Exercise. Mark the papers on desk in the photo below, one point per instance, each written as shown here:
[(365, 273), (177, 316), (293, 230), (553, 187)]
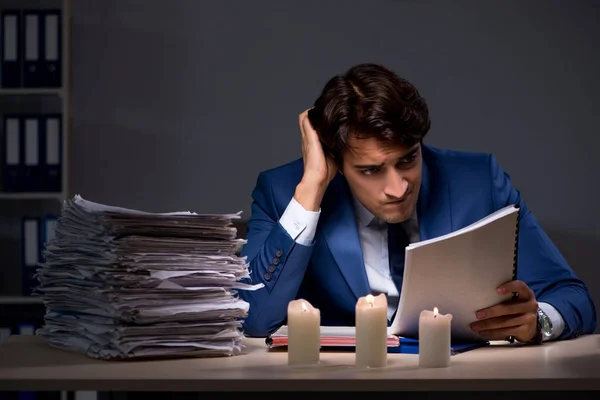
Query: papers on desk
[(329, 336), (343, 338), (120, 283)]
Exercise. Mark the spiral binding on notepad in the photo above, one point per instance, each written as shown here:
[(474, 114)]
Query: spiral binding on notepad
[(516, 251)]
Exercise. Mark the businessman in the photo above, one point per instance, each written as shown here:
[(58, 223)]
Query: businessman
[(333, 226)]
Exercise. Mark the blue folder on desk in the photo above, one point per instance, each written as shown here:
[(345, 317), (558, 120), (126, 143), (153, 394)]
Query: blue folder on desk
[(411, 346), (342, 338)]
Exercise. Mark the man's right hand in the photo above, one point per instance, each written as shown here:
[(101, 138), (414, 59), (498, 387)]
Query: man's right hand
[(319, 170)]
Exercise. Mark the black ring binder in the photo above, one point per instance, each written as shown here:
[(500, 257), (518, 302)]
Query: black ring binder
[(516, 252)]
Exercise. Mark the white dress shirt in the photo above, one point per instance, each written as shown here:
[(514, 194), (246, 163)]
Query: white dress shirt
[(301, 225)]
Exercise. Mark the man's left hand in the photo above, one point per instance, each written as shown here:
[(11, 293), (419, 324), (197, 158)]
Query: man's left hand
[(516, 317)]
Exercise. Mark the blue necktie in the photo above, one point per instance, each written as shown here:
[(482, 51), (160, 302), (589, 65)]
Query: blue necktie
[(397, 242)]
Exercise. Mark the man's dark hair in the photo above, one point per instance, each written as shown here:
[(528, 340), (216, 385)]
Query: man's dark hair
[(368, 101)]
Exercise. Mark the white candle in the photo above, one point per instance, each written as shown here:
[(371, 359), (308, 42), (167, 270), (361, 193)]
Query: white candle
[(371, 331), (304, 324), (434, 339)]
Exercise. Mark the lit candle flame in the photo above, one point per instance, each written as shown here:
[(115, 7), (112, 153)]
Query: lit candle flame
[(370, 299), (435, 312), (304, 308)]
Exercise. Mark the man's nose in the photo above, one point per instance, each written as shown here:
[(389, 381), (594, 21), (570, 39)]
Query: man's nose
[(395, 185)]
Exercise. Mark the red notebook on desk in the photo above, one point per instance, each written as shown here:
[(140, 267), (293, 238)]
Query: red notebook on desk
[(331, 336)]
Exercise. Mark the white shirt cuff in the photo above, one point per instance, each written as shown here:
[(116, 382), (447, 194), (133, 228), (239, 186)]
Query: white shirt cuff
[(558, 323), (299, 223)]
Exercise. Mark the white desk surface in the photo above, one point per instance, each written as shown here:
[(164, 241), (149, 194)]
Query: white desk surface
[(27, 362)]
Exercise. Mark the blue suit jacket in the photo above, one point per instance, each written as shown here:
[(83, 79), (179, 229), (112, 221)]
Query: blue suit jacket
[(457, 189)]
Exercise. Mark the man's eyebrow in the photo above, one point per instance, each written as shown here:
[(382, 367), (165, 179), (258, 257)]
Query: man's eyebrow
[(369, 166), (410, 152)]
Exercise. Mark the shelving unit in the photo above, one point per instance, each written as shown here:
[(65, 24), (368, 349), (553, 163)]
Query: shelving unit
[(32, 196), (20, 300), (64, 94), (31, 92), (16, 309), (13, 203)]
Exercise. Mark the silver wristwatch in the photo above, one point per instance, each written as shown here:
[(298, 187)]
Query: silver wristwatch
[(545, 324)]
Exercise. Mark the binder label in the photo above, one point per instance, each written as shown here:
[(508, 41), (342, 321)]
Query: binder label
[(52, 142), (51, 38), (31, 142), (10, 38), (50, 229), (31, 242), (31, 38), (12, 141)]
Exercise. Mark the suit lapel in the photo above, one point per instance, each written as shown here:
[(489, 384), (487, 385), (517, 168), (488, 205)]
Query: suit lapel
[(340, 231), (433, 207)]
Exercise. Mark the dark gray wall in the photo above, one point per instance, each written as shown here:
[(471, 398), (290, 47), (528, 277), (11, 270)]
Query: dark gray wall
[(179, 106)]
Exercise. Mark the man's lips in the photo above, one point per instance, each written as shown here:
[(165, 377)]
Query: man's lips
[(400, 200)]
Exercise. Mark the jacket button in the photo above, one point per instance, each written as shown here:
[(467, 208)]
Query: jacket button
[(267, 276), (275, 260), (279, 253), (271, 268)]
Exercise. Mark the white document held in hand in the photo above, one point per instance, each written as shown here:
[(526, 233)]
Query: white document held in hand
[(459, 273)]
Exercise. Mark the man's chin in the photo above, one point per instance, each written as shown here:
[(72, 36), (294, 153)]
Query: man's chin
[(395, 217)]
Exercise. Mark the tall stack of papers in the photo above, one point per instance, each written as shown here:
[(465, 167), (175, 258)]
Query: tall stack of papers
[(120, 283)]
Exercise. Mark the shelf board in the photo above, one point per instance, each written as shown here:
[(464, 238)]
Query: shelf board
[(20, 300), (31, 92), (32, 196)]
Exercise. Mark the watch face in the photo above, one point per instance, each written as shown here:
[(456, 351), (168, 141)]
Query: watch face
[(545, 324)]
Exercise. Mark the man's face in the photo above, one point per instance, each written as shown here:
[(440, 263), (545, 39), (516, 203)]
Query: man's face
[(385, 180)]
